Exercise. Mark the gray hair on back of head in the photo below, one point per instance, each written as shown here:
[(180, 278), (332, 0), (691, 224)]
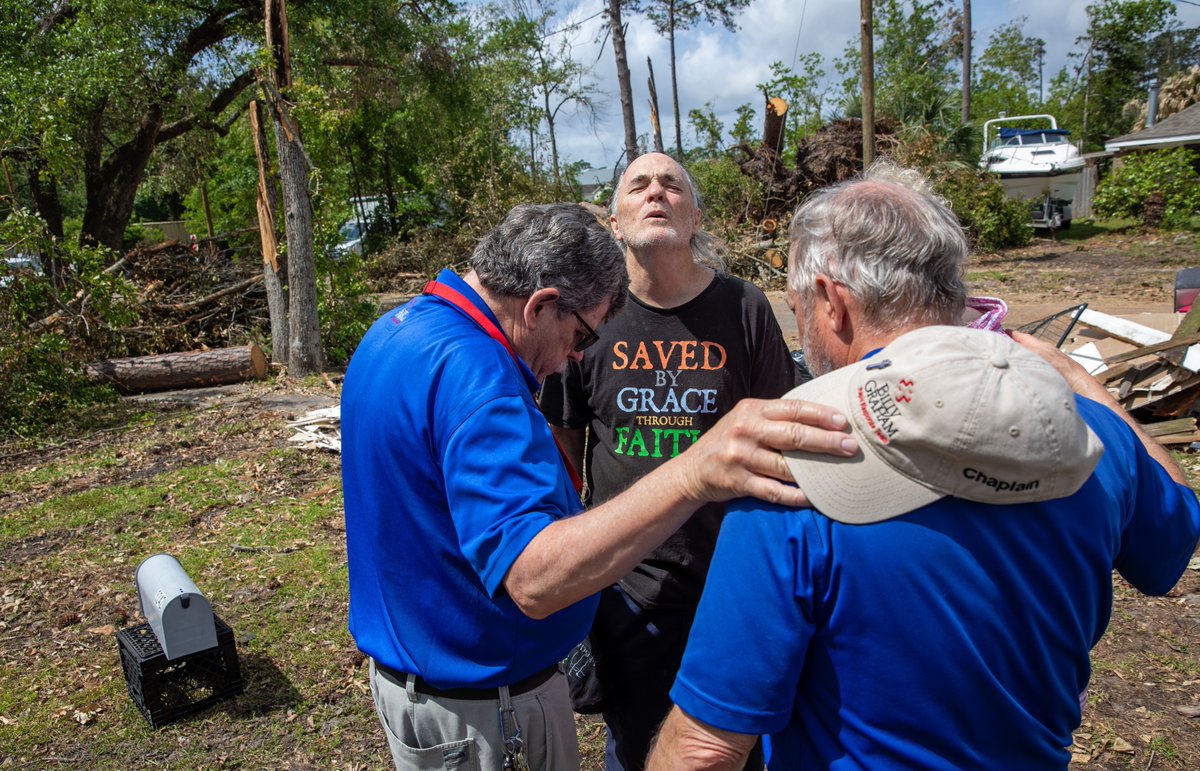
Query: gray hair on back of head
[(553, 245), (702, 243), (894, 244)]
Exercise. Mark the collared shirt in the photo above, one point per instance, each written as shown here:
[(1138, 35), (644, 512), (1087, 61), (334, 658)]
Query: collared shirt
[(954, 636), (449, 471)]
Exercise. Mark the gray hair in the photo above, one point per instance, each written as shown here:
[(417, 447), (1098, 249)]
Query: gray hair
[(894, 244), (558, 245), (703, 244)]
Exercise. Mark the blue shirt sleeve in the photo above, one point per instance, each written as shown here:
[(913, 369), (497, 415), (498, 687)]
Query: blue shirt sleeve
[(504, 483), (746, 683), (1162, 520)]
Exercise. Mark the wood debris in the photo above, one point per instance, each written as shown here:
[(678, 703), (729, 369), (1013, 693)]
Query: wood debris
[(318, 430), (1152, 373)]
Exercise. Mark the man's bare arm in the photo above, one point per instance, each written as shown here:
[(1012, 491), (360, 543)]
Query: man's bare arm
[(576, 557), (1085, 385), (686, 743)]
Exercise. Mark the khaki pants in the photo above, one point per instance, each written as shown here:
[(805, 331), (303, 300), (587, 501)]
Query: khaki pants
[(426, 733)]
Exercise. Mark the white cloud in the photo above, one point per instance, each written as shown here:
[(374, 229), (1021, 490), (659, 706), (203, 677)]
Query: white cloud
[(723, 67)]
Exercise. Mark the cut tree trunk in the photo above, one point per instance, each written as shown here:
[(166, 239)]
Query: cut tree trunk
[(304, 330), (773, 124), (190, 369), (305, 356)]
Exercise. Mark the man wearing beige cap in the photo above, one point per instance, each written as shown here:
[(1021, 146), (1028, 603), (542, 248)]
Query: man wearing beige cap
[(936, 606)]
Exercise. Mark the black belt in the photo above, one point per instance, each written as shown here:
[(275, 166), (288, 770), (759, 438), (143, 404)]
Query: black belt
[(469, 694)]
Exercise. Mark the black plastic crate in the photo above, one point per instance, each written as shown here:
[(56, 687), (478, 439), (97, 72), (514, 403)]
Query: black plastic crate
[(166, 690)]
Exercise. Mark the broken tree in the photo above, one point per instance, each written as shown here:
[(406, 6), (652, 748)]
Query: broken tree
[(304, 331)]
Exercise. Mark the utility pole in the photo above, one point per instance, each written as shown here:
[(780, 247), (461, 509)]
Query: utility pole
[(966, 57), (868, 82)]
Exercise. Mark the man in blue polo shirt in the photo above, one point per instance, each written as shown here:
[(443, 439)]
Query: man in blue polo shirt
[(470, 578), (936, 607)]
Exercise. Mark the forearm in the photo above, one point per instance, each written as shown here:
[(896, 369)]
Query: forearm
[(740, 456), (1087, 386), (686, 743), (576, 557)]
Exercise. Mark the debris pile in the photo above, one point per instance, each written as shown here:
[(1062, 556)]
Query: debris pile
[(319, 429), (180, 298), (831, 155), (1154, 375)]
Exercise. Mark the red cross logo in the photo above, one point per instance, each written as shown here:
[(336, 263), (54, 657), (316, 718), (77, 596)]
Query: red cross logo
[(905, 391)]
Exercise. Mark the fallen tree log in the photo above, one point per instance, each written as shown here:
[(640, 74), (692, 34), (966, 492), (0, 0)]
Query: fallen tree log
[(189, 369)]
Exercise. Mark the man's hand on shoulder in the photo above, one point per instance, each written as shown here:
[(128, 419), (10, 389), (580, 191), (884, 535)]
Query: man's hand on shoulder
[(1072, 371), (741, 454)]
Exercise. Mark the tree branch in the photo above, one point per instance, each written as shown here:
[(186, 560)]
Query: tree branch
[(357, 61), (216, 27), (62, 12), (215, 107)]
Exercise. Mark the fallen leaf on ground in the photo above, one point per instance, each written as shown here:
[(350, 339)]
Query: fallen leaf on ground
[(1188, 710), (1120, 745), (107, 630)]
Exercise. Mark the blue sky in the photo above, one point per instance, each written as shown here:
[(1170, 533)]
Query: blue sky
[(722, 67)]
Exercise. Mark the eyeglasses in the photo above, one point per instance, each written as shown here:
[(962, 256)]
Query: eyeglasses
[(589, 338)]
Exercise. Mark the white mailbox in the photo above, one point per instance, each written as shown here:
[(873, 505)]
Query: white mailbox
[(181, 617)]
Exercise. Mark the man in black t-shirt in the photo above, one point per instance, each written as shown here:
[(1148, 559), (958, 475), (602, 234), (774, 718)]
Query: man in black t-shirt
[(691, 342)]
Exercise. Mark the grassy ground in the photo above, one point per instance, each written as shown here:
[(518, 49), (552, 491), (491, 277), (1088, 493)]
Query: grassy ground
[(258, 526)]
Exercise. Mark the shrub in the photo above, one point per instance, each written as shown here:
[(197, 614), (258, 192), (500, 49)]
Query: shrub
[(41, 382), (992, 219), (729, 196), (1124, 192), (41, 375), (343, 306)]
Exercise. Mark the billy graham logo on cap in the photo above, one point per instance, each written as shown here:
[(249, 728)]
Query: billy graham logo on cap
[(879, 407), (947, 411)]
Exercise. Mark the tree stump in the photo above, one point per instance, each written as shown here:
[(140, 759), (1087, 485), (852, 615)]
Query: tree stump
[(189, 369), (774, 123)]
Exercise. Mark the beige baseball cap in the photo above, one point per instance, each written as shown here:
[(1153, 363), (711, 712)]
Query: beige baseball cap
[(946, 411)]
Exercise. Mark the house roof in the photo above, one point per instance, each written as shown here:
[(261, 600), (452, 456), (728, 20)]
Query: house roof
[(1182, 128)]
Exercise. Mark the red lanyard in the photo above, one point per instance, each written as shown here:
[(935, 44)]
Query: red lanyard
[(455, 298)]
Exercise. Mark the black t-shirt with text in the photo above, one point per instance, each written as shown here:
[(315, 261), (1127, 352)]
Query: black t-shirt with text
[(650, 388)]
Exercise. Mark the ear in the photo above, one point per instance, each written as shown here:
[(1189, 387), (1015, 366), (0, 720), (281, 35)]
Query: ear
[(538, 304), (614, 227), (831, 300)]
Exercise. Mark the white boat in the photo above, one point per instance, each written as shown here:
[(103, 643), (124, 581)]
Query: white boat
[(1040, 165)]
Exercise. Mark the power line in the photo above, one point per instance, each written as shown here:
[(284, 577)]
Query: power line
[(576, 25), (796, 49)]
